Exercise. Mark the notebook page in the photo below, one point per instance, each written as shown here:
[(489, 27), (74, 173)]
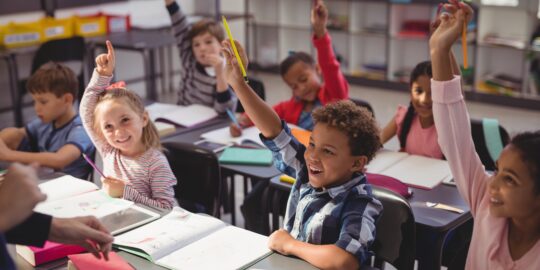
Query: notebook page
[(174, 231), (383, 160), (190, 115), (96, 203), (420, 171), (65, 186), (223, 136), (228, 248)]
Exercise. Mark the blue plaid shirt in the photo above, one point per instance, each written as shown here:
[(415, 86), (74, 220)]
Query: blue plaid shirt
[(344, 215)]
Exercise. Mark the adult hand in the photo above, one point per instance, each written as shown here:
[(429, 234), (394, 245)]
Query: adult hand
[(87, 232), (19, 194)]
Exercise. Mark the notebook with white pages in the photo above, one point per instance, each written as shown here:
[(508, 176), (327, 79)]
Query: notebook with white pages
[(223, 136), (185, 116), (250, 134), (413, 170), (68, 197), (184, 240)]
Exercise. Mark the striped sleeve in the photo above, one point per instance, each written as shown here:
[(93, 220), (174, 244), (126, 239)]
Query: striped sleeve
[(89, 101), (181, 27), (288, 152), (161, 180)]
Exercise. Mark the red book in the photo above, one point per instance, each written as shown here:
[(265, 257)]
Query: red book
[(49, 252), (87, 261)]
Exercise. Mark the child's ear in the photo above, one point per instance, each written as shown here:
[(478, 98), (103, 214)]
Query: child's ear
[(145, 118), (67, 98), (359, 164)]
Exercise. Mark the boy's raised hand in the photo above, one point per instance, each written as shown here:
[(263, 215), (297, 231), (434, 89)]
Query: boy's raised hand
[(105, 62), (451, 25), (319, 18), (232, 72)]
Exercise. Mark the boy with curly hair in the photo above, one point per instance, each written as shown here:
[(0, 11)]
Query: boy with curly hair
[(331, 212)]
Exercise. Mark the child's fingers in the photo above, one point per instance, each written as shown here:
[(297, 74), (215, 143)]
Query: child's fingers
[(242, 53), (110, 50)]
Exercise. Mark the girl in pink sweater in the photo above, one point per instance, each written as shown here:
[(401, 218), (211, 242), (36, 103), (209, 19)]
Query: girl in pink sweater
[(506, 205)]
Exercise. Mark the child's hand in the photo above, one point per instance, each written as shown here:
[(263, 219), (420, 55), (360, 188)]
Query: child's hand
[(105, 62), (280, 241), (232, 72), (235, 130), (215, 60), (4, 150), (319, 18), (450, 26), (114, 187)]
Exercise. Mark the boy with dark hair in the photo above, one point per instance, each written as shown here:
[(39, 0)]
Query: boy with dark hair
[(331, 212), (202, 65), (55, 139)]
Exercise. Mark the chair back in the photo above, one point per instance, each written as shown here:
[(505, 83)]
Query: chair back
[(257, 86), (198, 174), (395, 240), (477, 132)]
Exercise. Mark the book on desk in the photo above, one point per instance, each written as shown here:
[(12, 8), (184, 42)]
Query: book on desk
[(186, 116), (184, 240), (416, 171)]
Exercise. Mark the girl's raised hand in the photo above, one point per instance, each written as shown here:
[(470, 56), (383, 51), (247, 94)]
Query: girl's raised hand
[(105, 62), (232, 72), (451, 25)]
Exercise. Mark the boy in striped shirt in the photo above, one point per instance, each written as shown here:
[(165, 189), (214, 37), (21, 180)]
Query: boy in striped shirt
[(202, 65)]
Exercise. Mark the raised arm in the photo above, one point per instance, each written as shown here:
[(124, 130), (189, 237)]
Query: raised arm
[(262, 115), (101, 78), (449, 110), (336, 84)]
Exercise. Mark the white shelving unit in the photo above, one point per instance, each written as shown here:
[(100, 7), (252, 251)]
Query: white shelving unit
[(368, 35)]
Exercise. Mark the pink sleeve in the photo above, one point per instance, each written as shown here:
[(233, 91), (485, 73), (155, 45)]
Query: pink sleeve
[(454, 130), (335, 83), (89, 101), (162, 181)]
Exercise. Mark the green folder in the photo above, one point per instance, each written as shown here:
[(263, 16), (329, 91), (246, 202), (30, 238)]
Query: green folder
[(246, 156)]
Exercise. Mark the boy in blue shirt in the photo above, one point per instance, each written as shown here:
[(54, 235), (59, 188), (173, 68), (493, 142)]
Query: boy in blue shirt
[(56, 139), (331, 212)]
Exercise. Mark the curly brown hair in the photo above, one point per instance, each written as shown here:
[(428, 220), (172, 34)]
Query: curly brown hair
[(356, 122)]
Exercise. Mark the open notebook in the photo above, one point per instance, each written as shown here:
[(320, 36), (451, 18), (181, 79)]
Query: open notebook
[(250, 134), (413, 170), (185, 116), (68, 196), (183, 240)]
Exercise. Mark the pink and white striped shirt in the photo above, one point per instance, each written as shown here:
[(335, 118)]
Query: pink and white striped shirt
[(489, 243), (149, 174)]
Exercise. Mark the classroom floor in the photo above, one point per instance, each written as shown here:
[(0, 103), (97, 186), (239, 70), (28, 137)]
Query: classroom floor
[(384, 103)]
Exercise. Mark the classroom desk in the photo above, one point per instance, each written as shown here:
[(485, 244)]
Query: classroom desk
[(228, 170), (145, 42), (429, 221)]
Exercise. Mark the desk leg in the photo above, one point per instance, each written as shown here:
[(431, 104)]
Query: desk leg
[(233, 200), (429, 248), (14, 87), (149, 57)]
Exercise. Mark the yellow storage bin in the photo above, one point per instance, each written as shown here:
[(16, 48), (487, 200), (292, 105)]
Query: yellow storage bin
[(90, 26), (57, 28), (22, 34), (2, 30)]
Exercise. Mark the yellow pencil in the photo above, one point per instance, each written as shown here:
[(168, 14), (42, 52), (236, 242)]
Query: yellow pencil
[(228, 30), (464, 45), (287, 179)]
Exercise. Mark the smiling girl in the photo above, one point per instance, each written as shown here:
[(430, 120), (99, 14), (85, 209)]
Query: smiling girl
[(126, 139)]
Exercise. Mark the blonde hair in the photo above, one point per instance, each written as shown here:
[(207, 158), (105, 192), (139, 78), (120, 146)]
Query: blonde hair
[(150, 135)]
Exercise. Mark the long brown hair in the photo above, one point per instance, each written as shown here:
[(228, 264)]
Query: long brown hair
[(150, 135)]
